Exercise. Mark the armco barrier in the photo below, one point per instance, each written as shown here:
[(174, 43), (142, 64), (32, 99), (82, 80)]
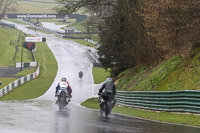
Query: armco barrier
[(93, 59), (26, 64), (9, 25), (173, 101), (89, 55), (18, 82), (91, 41)]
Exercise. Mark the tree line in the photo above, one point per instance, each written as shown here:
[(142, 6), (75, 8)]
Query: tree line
[(136, 33), (146, 32)]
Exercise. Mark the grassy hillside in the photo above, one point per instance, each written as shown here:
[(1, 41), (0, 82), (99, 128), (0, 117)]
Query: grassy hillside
[(100, 74), (170, 75), (8, 50), (33, 7), (38, 86)]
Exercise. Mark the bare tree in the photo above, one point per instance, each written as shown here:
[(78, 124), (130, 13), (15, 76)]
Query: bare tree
[(140, 32), (174, 24), (5, 6), (98, 8)]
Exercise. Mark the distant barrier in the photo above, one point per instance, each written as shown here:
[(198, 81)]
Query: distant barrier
[(37, 27), (42, 28), (9, 25), (173, 101), (91, 41), (20, 81), (26, 64), (93, 58)]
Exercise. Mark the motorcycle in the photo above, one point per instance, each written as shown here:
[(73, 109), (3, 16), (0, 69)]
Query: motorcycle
[(107, 104), (80, 74), (63, 98)]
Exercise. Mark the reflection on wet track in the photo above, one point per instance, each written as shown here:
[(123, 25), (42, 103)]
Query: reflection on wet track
[(42, 116)]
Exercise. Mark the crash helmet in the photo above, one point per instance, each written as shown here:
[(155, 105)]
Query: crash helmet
[(108, 80), (64, 79)]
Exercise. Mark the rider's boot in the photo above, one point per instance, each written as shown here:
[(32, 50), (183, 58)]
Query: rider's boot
[(70, 96), (67, 99)]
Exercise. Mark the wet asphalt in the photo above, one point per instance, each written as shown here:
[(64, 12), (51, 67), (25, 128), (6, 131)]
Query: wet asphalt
[(41, 115)]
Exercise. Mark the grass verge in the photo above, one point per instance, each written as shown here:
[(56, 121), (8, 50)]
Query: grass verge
[(26, 72), (100, 74), (8, 35), (6, 81), (186, 119), (80, 41), (38, 86), (83, 42)]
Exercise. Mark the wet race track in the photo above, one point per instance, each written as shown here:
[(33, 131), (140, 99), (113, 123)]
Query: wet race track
[(41, 115)]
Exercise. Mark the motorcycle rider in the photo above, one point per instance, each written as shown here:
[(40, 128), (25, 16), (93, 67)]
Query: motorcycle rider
[(80, 74), (64, 83), (108, 89)]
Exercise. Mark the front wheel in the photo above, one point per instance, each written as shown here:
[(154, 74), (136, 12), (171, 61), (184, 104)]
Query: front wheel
[(108, 108), (61, 103), (61, 106), (101, 109)]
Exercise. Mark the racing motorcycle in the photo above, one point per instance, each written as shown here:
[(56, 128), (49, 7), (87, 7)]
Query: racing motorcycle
[(63, 98), (80, 74), (106, 104)]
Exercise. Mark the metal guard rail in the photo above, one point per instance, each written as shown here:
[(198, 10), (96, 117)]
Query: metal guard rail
[(174, 101), (19, 82)]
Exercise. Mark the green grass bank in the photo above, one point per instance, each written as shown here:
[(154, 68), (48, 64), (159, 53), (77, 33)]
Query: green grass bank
[(171, 75), (38, 86), (8, 37), (100, 74)]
